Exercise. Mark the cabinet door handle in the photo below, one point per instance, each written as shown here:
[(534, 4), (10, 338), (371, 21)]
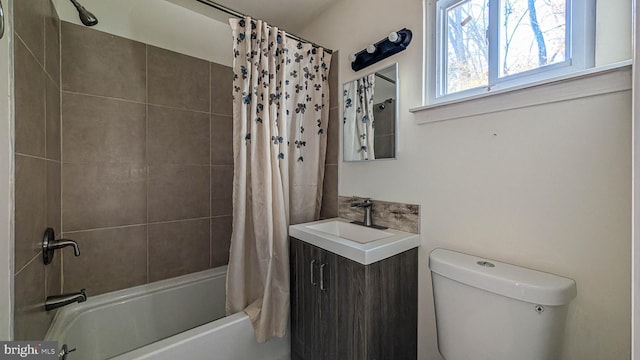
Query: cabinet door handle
[(311, 265), (322, 287)]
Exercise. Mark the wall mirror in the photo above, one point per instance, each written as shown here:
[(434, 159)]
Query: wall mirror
[(370, 116)]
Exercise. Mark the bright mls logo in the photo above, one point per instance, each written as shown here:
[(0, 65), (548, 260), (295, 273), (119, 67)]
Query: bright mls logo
[(35, 350)]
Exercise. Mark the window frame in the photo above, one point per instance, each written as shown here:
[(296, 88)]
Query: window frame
[(579, 54)]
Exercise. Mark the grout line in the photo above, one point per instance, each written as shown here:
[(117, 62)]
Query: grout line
[(61, 289), (39, 254), (38, 157), (24, 43), (178, 108), (210, 166), (139, 102), (146, 146), (103, 97), (139, 224), (66, 233), (126, 163), (222, 114)]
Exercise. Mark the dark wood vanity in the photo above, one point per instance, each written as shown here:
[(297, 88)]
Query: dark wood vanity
[(344, 310)]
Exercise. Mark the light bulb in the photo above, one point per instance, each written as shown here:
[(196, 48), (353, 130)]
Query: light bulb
[(371, 49), (394, 37), (352, 57)]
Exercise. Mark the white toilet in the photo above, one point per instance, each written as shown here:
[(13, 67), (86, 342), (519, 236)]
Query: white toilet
[(488, 310)]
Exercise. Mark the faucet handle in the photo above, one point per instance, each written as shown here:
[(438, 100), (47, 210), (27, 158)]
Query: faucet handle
[(50, 244)]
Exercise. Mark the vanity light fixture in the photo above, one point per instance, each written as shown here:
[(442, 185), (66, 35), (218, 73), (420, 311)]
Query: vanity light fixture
[(392, 44)]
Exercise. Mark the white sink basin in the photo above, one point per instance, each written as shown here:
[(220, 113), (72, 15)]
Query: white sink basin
[(355, 242), (353, 232)]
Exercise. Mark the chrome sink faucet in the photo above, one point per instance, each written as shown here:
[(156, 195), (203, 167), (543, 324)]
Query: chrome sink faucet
[(56, 301), (366, 205)]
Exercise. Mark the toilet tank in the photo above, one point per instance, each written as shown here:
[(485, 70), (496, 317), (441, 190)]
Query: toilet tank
[(486, 309)]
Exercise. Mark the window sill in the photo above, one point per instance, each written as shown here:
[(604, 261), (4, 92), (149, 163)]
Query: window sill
[(597, 81)]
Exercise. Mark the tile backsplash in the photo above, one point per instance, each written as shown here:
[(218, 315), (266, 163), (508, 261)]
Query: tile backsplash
[(399, 216)]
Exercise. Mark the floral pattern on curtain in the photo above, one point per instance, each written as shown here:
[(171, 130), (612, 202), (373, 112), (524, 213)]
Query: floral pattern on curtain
[(280, 117), (359, 122)]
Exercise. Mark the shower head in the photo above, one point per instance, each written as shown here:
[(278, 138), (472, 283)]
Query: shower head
[(86, 17)]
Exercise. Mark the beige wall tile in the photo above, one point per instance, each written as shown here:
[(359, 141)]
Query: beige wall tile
[(178, 192), (97, 63), (221, 140), (54, 197), (102, 130), (30, 208), (178, 136), (221, 89), (178, 80), (329, 207), (53, 275), (29, 24), (178, 248), (335, 88), (111, 259), (52, 42), (221, 228), (31, 321), (53, 122), (221, 190), (333, 137), (103, 195), (29, 103)]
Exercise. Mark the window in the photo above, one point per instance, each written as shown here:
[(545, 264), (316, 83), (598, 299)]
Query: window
[(487, 45)]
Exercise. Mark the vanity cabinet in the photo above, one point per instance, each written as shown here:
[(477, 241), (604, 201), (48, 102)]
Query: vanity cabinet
[(344, 310)]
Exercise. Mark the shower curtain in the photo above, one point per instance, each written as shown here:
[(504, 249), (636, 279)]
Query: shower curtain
[(359, 123), (280, 116)]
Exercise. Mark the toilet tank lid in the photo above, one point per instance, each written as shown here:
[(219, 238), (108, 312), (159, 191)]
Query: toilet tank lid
[(503, 279)]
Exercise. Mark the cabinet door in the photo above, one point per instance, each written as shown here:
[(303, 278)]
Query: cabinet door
[(314, 334), (327, 315), (305, 300), (351, 309)]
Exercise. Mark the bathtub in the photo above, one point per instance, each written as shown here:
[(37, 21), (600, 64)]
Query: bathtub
[(179, 318)]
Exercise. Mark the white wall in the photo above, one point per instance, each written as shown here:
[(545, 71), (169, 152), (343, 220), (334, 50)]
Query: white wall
[(547, 187), (635, 352), (613, 37), (184, 26), (6, 179)]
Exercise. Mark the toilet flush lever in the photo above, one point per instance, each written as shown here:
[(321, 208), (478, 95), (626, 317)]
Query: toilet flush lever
[(50, 244)]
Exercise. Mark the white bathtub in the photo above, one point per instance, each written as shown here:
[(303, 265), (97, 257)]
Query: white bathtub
[(180, 318)]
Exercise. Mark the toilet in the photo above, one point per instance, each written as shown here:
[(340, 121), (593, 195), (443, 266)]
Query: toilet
[(488, 310)]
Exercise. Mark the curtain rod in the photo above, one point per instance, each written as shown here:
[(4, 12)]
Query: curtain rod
[(385, 78), (241, 15)]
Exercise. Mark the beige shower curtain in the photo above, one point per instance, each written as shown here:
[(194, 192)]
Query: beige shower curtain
[(359, 122), (280, 115)]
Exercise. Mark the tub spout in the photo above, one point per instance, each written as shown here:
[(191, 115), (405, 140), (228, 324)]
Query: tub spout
[(56, 301)]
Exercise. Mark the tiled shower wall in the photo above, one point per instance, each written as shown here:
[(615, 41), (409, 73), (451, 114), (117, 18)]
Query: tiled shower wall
[(147, 163), (37, 161), (330, 186)]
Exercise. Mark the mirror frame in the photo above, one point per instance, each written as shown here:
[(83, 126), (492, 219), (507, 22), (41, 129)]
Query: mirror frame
[(396, 115)]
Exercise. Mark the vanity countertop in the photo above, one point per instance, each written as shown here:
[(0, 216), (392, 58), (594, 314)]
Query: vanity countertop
[(363, 253)]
